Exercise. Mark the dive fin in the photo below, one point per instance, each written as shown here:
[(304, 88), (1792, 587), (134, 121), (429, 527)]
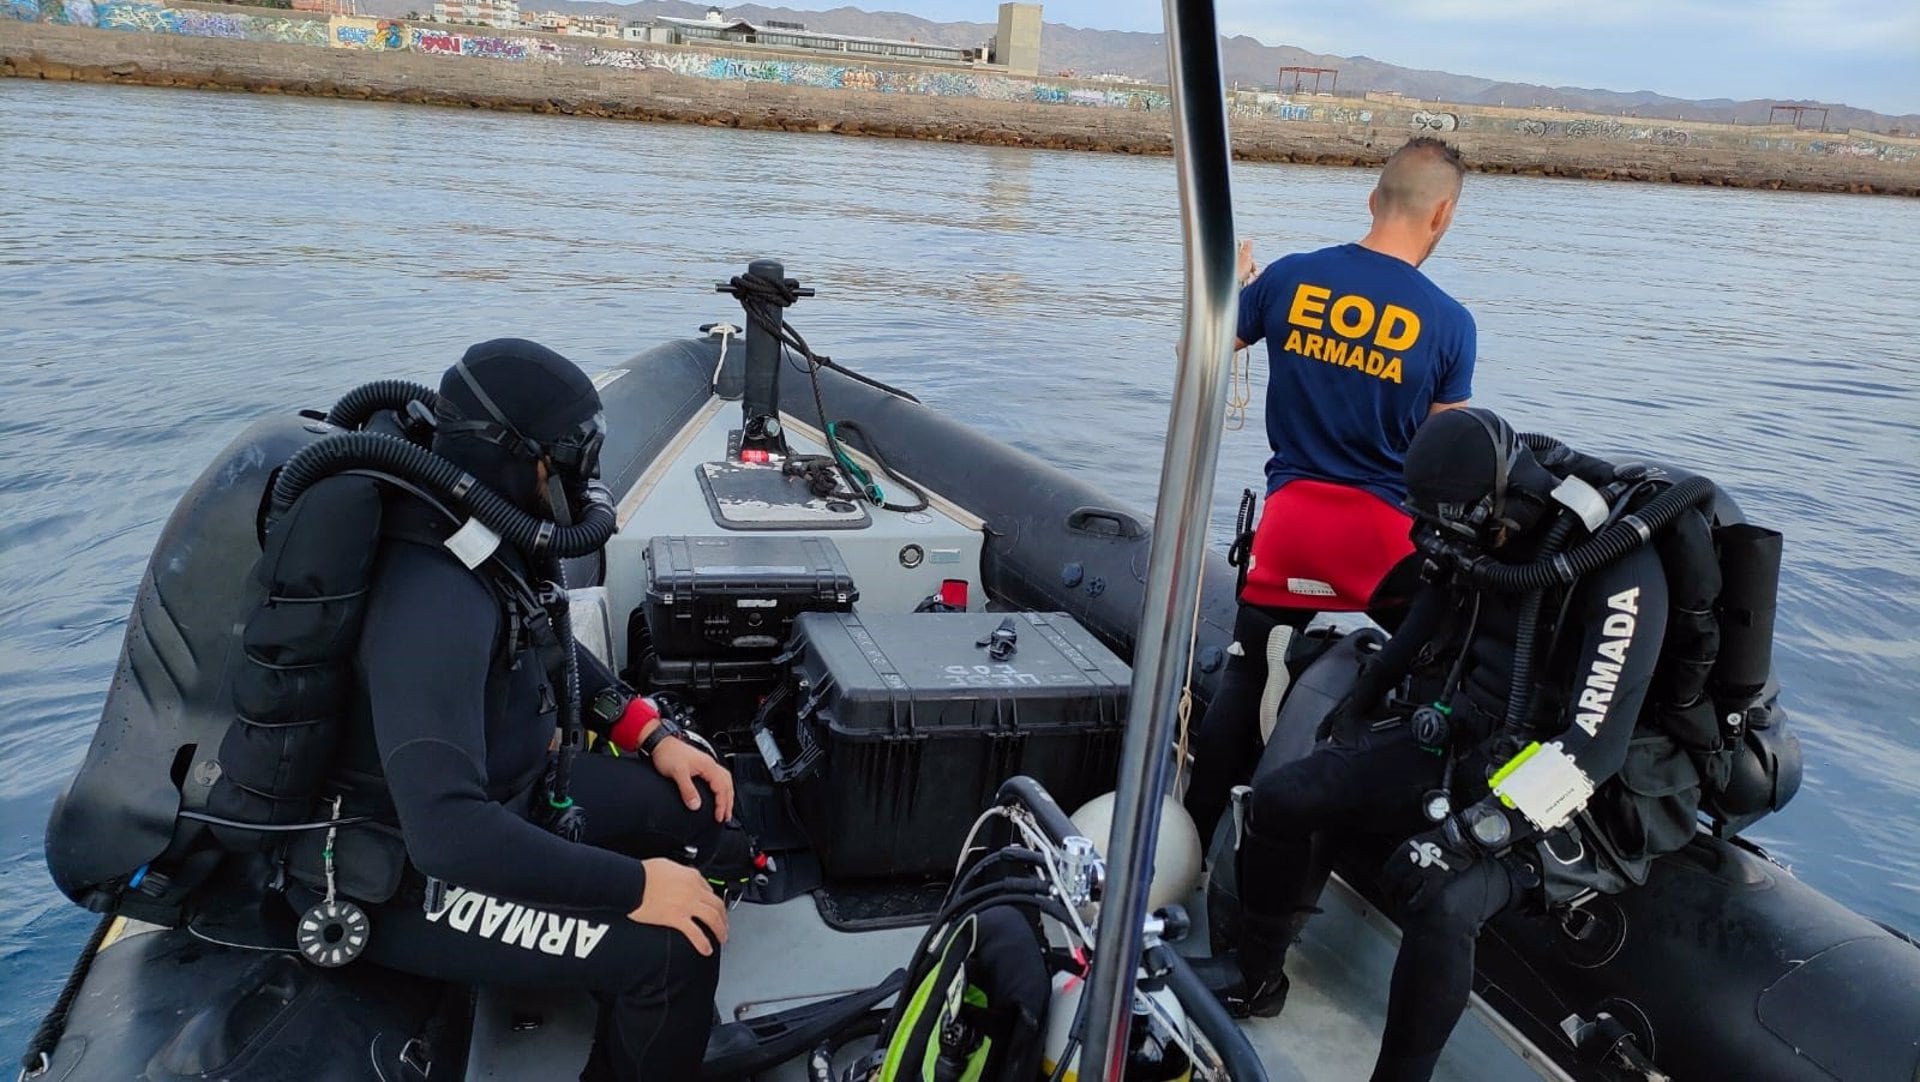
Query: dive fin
[(740, 1050)]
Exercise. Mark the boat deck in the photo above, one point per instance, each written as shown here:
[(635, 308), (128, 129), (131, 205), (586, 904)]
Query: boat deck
[(782, 956)]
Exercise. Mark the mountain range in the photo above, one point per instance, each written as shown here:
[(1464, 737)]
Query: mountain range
[(1249, 63)]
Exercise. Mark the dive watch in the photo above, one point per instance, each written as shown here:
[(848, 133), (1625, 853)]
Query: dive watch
[(609, 705), (1489, 827)]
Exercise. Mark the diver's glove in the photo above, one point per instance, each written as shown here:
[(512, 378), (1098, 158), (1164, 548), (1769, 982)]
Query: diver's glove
[(1421, 866)]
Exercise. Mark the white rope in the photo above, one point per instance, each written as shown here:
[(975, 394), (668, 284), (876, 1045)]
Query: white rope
[(1239, 391), (726, 331), (1186, 698)]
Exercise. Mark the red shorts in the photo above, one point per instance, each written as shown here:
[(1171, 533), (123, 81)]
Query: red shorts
[(1324, 547)]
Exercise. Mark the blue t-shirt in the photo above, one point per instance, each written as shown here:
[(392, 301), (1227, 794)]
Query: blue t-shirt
[(1359, 346)]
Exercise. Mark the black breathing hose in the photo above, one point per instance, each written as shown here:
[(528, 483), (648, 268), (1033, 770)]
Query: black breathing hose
[(1563, 460), (1629, 532), (1520, 690), (569, 819), (358, 405), (371, 450)]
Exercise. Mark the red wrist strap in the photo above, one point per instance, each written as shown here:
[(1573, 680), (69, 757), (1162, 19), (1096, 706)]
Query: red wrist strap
[(640, 713)]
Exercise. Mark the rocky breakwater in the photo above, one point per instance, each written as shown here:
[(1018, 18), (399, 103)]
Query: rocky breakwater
[(65, 53)]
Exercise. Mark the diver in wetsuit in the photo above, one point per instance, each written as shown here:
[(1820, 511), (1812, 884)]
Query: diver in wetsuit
[(1455, 863), (461, 702)]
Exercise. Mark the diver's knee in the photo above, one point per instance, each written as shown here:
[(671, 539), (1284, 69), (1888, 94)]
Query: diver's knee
[(682, 969), (1459, 910), (1297, 793)]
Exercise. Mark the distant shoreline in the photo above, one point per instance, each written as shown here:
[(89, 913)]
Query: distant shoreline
[(69, 53)]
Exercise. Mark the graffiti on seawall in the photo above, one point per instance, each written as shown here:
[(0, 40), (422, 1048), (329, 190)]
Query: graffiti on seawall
[(951, 84), (155, 19), (1274, 107), (1858, 148), (353, 32), (389, 35)]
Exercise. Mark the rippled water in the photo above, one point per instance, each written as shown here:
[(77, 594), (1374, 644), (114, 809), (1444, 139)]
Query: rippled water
[(173, 265)]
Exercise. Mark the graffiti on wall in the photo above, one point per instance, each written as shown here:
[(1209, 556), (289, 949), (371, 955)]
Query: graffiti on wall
[(70, 12), (1274, 107), (623, 59), (1663, 137), (390, 35), (494, 48), (156, 19), (1864, 149), (354, 32), (1600, 128), (434, 41), (947, 84)]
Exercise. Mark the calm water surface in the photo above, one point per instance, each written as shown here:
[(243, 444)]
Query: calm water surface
[(173, 265)]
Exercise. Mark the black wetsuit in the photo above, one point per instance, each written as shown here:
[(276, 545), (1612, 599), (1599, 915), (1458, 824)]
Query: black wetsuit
[(1364, 785), (1226, 742), (462, 726)]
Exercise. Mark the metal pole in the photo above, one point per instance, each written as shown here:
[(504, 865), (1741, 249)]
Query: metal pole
[(1203, 154)]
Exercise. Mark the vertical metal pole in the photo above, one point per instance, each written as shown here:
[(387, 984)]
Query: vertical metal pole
[(1203, 155)]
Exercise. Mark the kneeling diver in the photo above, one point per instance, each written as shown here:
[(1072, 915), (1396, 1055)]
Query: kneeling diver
[(1484, 798)]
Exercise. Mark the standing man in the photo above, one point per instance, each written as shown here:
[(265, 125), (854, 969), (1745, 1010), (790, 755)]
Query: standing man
[(1361, 348)]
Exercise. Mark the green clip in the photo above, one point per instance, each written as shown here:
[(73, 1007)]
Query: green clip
[(1502, 774)]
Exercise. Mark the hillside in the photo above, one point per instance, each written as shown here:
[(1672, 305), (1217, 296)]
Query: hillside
[(1248, 62)]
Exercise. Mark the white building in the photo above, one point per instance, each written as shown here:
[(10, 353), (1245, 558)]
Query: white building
[(717, 29), (501, 14)]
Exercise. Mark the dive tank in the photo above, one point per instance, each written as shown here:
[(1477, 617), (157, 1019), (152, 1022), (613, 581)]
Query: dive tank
[(1176, 856)]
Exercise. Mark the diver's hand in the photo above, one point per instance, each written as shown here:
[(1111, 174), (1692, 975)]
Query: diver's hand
[(678, 897), (681, 762)]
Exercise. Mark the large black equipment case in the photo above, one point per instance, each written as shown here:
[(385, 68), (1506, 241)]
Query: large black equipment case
[(724, 598), (908, 726)]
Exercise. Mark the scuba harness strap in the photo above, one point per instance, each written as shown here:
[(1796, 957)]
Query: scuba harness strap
[(536, 618)]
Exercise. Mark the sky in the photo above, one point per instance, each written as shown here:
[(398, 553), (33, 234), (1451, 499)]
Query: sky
[(1864, 53)]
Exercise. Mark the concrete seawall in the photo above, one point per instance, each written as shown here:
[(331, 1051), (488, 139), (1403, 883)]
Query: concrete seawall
[(62, 53)]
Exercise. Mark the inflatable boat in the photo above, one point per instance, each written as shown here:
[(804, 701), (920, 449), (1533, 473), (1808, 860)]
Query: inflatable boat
[(1723, 966), (918, 649)]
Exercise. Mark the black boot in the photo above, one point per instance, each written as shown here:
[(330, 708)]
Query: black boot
[(1278, 880), (1251, 980), (1404, 1068)]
